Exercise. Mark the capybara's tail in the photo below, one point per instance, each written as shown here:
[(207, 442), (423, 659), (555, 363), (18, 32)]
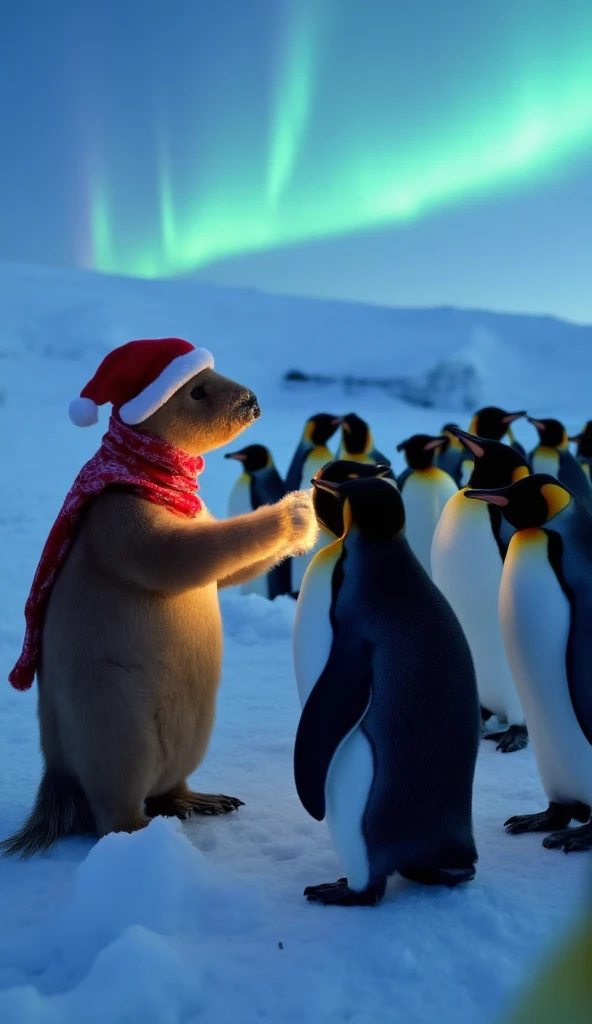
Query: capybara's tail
[(61, 809)]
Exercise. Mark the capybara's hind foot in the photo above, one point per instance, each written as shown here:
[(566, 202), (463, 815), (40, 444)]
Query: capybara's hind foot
[(182, 803)]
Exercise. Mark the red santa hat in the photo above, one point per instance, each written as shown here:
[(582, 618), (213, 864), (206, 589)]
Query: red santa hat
[(138, 378)]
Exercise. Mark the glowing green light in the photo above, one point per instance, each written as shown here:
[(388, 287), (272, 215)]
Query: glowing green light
[(292, 102), (350, 173)]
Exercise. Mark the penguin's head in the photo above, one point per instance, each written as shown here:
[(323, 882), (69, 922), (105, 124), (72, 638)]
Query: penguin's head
[(320, 428), (327, 505), (530, 502), (451, 441), (420, 450), (492, 422), (254, 458), (370, 505), (552, 433), (495, 463), (584, 440), (355, 434)]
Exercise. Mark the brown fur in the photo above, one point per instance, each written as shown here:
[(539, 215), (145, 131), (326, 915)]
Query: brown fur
[(132, 641)]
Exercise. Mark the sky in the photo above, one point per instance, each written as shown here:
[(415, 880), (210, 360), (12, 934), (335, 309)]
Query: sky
[(411, 153)]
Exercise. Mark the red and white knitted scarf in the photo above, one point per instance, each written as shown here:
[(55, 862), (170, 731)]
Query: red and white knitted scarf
[(152, 469)]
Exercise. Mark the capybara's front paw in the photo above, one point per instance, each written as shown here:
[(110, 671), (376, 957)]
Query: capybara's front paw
[(303, 529)]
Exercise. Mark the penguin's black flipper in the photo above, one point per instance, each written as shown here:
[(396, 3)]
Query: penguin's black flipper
[(338, 702), (573, 574)]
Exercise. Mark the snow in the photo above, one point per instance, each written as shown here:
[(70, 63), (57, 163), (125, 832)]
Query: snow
[(205, 921)]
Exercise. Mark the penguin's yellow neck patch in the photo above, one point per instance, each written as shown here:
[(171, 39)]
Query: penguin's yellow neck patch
[(519, 473), (347, 517), (530, 537), (430, 474), (556, 499), (473, 426), (453, 441)]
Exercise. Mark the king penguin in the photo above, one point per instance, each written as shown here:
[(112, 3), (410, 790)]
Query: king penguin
[(493, 424), (449, 456), (545, 610), (357, 444), (583, 440), (425, 491), (388, 737), (259, 484), (553, 456), (316, 585), (310, 456), (468, 551), (312, 451)]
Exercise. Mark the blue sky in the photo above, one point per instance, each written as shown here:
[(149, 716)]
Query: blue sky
[(268, 142)]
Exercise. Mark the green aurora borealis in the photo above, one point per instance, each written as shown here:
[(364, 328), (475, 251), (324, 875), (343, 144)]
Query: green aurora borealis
[(368, 120)]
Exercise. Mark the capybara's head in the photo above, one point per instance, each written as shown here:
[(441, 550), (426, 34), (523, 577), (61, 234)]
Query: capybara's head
[(206, 413)]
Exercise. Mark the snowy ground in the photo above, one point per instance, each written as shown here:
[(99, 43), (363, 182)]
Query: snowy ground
[(206, 921)]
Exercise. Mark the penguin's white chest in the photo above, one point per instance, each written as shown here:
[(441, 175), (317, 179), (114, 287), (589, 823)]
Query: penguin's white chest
[(545, 460), (467, 569), (535, 619), (351, 772), (425, 494), (239, 503), (318, 458), (313, 633)]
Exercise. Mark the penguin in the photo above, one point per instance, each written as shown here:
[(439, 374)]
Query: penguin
[(584, 447), (545, 611), (259, 484), (316, 585), (312, 451), (425, 491), (449, 456), (492, 423), (388, 738), (468, 551), (310, 456), (552, 456), (357, 444)]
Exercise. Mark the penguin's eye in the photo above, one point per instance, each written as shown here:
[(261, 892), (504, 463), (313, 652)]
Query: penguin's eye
[(198, 393)]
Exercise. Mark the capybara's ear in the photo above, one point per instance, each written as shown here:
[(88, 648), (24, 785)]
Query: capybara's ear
[(206, 413)]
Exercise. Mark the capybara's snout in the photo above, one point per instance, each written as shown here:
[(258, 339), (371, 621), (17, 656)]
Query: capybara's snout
[(248, 408)]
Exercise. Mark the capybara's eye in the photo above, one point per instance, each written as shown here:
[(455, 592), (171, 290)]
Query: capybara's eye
[(198, 393)]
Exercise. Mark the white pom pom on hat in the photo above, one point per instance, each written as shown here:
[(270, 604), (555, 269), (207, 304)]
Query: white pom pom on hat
[(83, 412), (138, 378)]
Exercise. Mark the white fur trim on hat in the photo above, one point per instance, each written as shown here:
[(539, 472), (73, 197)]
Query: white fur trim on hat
[(176, 374), (83, 412)]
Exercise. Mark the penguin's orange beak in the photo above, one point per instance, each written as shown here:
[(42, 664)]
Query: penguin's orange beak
[(511, 416), (239, 456), (471, 441), (436, 442), (576, 439), (337, 421), (536, 423), (491, 499)]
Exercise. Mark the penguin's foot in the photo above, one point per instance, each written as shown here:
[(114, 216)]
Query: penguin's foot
[(571, 840), (511, 739), (339, 894), (556, 816), (440, 876), (182, 803)]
